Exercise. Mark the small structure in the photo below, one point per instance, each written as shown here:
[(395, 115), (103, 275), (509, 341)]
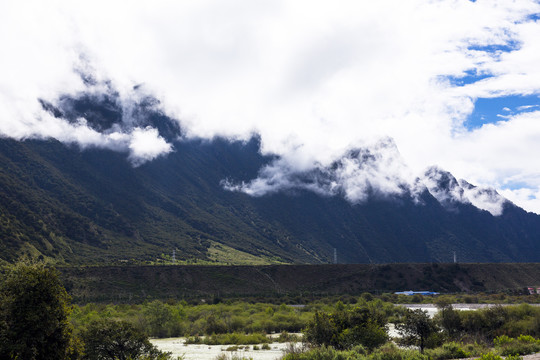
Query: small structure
[(533, 290), (410, 293)]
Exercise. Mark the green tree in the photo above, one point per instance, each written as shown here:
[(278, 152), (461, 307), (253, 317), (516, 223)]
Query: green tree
[(34, 312), (416, 328), (449, 320), (157, 316), (362, 325), (118, 340)]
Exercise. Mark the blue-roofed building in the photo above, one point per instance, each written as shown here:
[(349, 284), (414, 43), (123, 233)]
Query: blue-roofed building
[(410, 292)]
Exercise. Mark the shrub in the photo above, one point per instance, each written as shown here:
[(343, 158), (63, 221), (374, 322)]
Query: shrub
[(287, 337), (451, 350), (490, 356), (523, 345), (390, 351), (229, 339), (475, 349), (344, 329), (324, 353), (118, 340)]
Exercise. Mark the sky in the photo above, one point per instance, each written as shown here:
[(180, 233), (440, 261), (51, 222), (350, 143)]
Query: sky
[(453, 83)]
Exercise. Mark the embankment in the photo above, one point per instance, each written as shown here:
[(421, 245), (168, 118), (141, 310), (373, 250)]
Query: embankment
[(139, 283)]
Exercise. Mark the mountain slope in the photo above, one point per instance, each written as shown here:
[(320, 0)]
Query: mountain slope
[(222, 201), (93, 206)]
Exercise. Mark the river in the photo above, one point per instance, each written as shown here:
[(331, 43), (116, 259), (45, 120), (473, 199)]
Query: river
[(178, 347)]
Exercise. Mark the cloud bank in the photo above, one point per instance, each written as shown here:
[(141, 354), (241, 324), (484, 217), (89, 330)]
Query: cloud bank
[(314, 79), (377, 169)]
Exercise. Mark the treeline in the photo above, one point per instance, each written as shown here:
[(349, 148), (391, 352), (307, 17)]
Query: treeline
[(309, 298), (510, 297), (483, 325), (173, 319), (359, 332)]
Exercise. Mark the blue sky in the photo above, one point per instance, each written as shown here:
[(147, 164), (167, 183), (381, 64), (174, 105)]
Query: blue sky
[(493, 110), (488, 110)]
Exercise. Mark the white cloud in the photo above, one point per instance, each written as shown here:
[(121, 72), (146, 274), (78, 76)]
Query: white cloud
[(313, 78), (485, 199), (526, 107), (528, 198), (146, 144), (374, 170)]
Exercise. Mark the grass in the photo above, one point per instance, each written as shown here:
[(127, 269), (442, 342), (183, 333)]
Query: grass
[(224, 254), (229, 339)]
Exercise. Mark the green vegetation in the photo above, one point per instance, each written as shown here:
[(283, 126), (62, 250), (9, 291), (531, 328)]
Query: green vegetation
[(34, 314), (230, 339), (416, 328), (524, 344), (35, 323), (362, 325), (92, 207), (172, 319), (390, 351), (450, 335), (386, 352), (118, 340), (450, 350), (37, 320), (483, 325), (492, 356)]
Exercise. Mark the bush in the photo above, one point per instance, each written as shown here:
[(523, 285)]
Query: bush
[(344, 329), (230, 339), (451, 350), (118, 340), (523, 345), (324, 353), (390, 351), (490, 356), (475, 349), (286, 337)]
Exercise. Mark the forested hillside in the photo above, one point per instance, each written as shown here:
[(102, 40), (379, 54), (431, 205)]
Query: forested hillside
[(93, 206)]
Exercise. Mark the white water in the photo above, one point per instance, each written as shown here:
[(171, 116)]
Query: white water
[(432, 309), (178, 347)]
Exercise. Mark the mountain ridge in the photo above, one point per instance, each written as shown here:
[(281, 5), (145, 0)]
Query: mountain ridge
[(78, 203), (93, 206)]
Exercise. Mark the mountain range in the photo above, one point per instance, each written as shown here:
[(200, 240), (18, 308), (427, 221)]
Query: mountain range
[(219, 201)]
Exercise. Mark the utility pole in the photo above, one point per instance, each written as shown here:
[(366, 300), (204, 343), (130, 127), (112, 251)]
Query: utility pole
[(455, 258), (335, 256), (174, 256)]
